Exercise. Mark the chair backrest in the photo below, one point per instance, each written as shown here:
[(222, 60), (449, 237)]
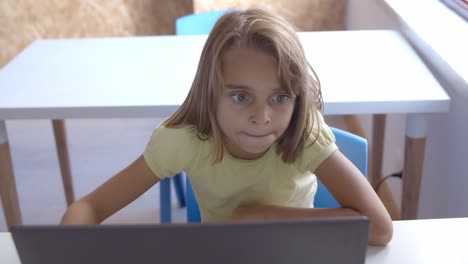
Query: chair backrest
[(352, 146), (197, 24)]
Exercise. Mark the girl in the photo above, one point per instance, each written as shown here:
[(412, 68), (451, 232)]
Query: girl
[(250, 135)]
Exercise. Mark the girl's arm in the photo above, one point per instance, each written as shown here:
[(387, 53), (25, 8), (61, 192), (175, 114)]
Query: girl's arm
[(351, 190), (116, 193)]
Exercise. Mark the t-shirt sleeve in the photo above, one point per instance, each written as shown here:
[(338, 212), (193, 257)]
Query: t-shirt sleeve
[(316, 152), (170, 150)]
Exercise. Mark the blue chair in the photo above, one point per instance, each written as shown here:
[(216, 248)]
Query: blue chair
[(194, 24), (352, 146), (165, 195), (197, 24)]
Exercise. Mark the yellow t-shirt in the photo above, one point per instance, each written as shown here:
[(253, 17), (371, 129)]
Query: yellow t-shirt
[(221, 187)]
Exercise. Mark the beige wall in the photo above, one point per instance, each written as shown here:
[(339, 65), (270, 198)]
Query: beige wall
[(27, 20)]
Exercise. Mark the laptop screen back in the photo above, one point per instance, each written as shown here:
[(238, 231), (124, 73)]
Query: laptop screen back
[(334, 240)]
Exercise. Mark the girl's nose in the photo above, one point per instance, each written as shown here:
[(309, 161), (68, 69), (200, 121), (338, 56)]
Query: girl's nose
[(261, 115)]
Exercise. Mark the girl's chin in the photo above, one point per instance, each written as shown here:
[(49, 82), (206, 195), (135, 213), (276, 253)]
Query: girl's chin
[(251, 152), (248, 147)]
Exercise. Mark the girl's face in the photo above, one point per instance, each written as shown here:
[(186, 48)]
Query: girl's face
[(253, 109)]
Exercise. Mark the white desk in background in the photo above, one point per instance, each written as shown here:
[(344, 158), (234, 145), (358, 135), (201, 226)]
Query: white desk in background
[(361, 72), (431, 241)]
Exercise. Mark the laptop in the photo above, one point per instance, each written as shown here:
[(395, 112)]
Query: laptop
[(331, 240)]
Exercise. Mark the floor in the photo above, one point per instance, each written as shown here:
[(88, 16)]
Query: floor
[(98, 149)]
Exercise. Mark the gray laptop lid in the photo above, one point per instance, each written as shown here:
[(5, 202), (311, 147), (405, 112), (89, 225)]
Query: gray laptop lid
[(334, 240)]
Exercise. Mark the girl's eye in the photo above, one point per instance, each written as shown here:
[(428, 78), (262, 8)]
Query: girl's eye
[(280, 98), (240, 98)]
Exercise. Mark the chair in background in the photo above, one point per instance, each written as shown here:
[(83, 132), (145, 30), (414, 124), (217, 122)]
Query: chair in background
[(352, 146), (194, 24)]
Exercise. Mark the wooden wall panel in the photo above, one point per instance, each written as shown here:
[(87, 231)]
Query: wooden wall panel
[(22, 21), (307, 15)]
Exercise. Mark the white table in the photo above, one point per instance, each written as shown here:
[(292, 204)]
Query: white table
[(414, 241), (424, 241), (362, 72)]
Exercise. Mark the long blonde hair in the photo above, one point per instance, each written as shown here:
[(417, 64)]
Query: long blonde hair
[(270, 33)]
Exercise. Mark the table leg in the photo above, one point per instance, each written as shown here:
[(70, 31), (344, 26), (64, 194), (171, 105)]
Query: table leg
[(7, 181), (376, 157), (353, 125), (415, 142), (64, 161)]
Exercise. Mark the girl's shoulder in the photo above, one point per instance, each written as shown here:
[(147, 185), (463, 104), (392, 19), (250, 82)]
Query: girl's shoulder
[(319, 145), (178, 131), (184, 135), (171, 149), (320, 132)]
